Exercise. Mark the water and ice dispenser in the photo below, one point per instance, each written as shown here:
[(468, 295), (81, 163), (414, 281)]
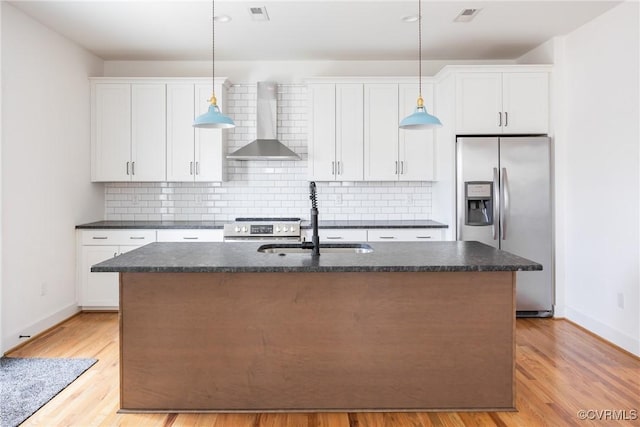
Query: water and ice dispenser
[(478, 197)]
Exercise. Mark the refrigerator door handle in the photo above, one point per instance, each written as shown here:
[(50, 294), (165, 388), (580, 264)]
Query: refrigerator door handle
[(496, 202), (504, 188)]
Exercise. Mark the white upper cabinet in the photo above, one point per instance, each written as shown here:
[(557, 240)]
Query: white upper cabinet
[(502, 102), (479, 102), (111, 132), (391, 153), (416, 150), (381, 132), (192, 154), (349, 132), (180, 132), (148, 132), (128, 132), (210, 144), (525, 100), (322, 131), (336, 132), (142, 131)]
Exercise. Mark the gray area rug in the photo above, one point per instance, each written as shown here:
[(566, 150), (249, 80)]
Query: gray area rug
[(27, 384)]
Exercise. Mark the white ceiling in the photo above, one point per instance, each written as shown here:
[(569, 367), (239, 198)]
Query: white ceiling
[(310, 30)]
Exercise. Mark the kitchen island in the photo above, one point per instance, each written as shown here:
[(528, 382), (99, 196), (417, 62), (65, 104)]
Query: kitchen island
[(410, 326)]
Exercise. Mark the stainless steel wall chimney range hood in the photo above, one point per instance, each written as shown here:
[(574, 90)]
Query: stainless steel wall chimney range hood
[(266, 146)]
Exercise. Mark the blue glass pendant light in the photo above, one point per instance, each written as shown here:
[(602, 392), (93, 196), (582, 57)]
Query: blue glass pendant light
[(420, 119), (213, 118)]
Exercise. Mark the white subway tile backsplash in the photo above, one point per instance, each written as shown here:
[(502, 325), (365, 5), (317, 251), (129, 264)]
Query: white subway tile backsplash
[(271, 188)]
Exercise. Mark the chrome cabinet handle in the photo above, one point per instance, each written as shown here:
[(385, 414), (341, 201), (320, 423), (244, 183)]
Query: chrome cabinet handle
[(506, 118), (197, 168), (333, 168), (189, 238), (423, 237), (504, 187), (402, 167), (339, 173), (99, 237), (127, 168), (190, 168), (496, 203), (334, 238), (499, 119), (396, 168), (136, 237), (387, 237), (133, 168)]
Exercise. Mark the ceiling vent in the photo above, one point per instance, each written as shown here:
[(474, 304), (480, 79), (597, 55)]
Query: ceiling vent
[(259, 13), (467, 15)]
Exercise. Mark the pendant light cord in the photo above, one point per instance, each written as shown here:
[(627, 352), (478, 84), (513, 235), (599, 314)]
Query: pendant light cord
[(213, 42), (420, 48), (213, 99)]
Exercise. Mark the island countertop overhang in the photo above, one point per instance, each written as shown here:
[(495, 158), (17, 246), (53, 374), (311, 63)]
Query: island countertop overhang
[(193, 257)]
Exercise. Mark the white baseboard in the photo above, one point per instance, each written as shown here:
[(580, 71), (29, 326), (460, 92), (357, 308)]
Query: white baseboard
[(559, 312), (620, 339), (13, 340)]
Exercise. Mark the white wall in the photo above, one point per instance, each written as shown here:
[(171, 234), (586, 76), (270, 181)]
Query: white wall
[(45, 174), (1, 315), (602, 176), (247, 72)]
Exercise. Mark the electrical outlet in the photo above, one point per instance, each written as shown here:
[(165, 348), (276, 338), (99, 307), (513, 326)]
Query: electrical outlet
[(199, 199), (338, 199), (409, 199), (620, 300), (136, 199), (43, 289)]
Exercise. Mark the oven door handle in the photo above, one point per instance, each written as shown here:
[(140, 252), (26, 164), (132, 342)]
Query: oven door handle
[(262, 239)]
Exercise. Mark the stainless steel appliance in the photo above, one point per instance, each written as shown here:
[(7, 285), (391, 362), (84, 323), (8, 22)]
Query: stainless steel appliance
[(266, 146), (504, 200), (263, 229)]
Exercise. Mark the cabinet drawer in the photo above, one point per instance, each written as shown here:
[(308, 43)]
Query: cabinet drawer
[(186, 235), (404, 235), (341, 235), (118, 237)]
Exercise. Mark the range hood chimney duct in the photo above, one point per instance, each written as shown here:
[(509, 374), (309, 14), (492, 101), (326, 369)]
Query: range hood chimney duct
[(266, 146)]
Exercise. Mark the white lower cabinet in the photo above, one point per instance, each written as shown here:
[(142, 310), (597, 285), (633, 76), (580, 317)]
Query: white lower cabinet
[(328, 235), (99, 291), (190, 235), (337, 235), (404, 234)]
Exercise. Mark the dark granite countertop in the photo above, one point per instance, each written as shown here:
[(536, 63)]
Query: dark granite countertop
[(418, 223), (220, 224), (244, 258), (152, 224)]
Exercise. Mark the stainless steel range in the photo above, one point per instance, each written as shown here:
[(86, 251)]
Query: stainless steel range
[(263, 229)]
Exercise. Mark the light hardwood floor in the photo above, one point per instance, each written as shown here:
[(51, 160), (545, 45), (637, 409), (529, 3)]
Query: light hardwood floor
[(561, 369)]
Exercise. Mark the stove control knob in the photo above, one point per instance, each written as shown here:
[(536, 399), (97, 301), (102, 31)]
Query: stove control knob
[(244, 229), (285, 229), (277, 229), (237, 229), (293, 228)]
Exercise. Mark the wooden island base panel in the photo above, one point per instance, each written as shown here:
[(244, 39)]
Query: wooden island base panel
[(287, 341)]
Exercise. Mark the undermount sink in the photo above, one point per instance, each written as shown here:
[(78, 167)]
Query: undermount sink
[(332, 248)]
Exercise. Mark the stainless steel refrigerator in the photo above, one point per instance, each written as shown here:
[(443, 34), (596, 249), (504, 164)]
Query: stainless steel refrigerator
[(504, 200)]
